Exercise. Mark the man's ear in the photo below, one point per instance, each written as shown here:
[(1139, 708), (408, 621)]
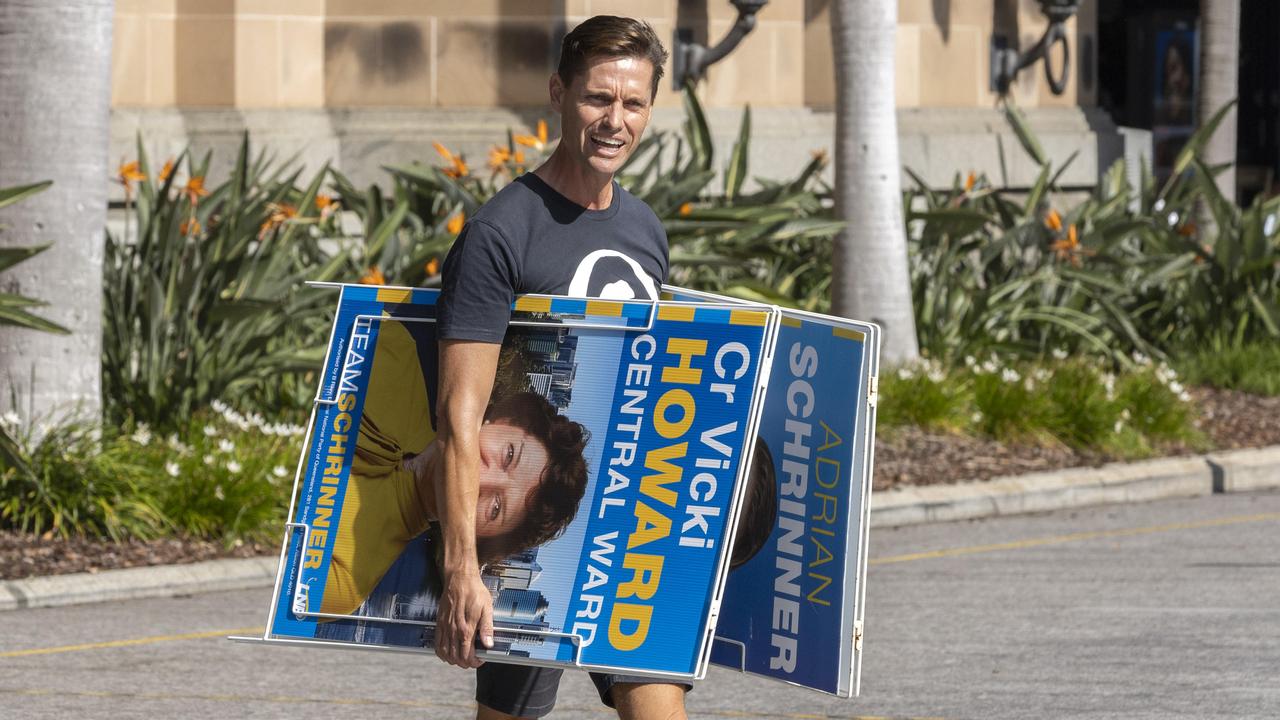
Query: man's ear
[(556, 87)]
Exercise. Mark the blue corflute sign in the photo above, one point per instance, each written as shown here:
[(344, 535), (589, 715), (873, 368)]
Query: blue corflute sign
[(794, 600), (614, 455)]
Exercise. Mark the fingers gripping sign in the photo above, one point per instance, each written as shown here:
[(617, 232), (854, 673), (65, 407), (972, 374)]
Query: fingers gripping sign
[(466, 617)]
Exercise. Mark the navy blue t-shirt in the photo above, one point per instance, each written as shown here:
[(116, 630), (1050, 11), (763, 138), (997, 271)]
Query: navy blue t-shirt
[(531, 239)]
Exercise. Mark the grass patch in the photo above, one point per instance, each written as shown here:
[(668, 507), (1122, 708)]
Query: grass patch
[(1071, 401), (1253, 368), (226, 477)]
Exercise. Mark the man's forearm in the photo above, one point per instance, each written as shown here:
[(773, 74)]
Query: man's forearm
[(456, 499)]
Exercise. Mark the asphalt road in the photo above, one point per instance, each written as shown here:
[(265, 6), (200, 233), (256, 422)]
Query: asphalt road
[(1165, 609)]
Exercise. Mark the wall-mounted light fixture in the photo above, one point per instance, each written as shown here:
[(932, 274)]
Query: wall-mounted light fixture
[(1006, 63), (690, 60)]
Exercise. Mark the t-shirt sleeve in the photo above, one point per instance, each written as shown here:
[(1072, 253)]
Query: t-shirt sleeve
[(477, 286)]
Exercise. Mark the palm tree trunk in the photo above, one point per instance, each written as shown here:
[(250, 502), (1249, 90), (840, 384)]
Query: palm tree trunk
[(55, 97), (1220, 83), (870, 280)]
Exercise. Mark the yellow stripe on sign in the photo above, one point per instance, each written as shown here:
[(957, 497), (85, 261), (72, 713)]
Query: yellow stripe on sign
[(604, 308), (747, 317), (676, 313), (394, 295), (792, 322), (533, 304), (848, 334)]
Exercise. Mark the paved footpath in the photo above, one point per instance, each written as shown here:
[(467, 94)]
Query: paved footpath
[(1150, 610)]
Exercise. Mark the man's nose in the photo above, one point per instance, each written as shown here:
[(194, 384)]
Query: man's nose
[(613, 116)]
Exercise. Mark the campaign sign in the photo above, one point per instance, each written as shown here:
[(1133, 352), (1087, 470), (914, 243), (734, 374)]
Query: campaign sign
[(796, 588), (612, 458)]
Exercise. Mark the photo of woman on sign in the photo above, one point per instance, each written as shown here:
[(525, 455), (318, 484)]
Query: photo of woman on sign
[(532, 473)]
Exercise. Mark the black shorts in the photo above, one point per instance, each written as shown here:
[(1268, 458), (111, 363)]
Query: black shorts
[(526, 691)]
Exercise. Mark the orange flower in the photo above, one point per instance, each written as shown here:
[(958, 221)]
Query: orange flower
[(537, 142), (498, 158), (326, 205), (167, 170), (454, 226), (127, 175), (457, 166), (373, 276), (970, 181), (277, 214), (685, 209), (1053, 221), (432, 267), (194, 189), (190, 226), (1069, 248)]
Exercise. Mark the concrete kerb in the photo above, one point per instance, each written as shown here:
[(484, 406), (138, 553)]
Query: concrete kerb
[(134, 583), (1191, 476), (1231, 471)]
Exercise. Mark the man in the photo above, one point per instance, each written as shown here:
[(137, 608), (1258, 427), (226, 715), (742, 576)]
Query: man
[(566, 228)]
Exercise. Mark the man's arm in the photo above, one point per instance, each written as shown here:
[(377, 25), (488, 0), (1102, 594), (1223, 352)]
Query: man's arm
[(467, 370)]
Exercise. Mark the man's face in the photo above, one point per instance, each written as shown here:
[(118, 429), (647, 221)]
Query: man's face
[(604, 111), (511, 465)]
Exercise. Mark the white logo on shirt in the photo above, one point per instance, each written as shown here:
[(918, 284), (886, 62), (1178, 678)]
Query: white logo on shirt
[(611, 275)]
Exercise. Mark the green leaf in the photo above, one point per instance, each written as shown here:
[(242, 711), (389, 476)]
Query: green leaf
[(11, 195), (697, 130), (1018, 122), (736, 173)]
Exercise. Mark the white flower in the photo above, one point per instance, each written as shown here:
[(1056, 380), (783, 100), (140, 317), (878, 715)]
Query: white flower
[(226, 445), (1059, 354), (233, 467), (279, 471), (142, 435), (1173, 218), (217, 492), (10, 421), (219, 406), (976, 417), (1119, 425), (171, 468), (208, 459), (210, 431), (1124, 414), (1269, 226), (969, 361), (1140, 359), (906, 372), (1040, 374), (1184, 396), (1175, 387), (1159, 205), (1010, 375)]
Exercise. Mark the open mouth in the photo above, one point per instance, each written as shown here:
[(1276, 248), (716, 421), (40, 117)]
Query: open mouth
[(608, 143)]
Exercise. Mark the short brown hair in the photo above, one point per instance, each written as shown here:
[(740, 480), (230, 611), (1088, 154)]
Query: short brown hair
[(553, 503), (611, 37)]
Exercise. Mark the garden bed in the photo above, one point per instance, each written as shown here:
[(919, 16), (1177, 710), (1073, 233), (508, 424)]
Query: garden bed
[(907, 456)]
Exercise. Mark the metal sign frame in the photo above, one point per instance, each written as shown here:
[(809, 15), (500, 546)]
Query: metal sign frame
[(333, 370)]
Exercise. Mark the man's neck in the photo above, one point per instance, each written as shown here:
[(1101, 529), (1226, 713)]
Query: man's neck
[(591, 190)]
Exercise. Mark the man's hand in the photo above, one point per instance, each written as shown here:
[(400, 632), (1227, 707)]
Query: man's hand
[(466, 615), (466, 607)]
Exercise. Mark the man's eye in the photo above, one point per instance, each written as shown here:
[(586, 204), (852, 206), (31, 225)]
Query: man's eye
[(495, 510), (511, 453)]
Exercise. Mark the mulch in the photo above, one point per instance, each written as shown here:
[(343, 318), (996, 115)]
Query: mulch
[(905, 457)]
